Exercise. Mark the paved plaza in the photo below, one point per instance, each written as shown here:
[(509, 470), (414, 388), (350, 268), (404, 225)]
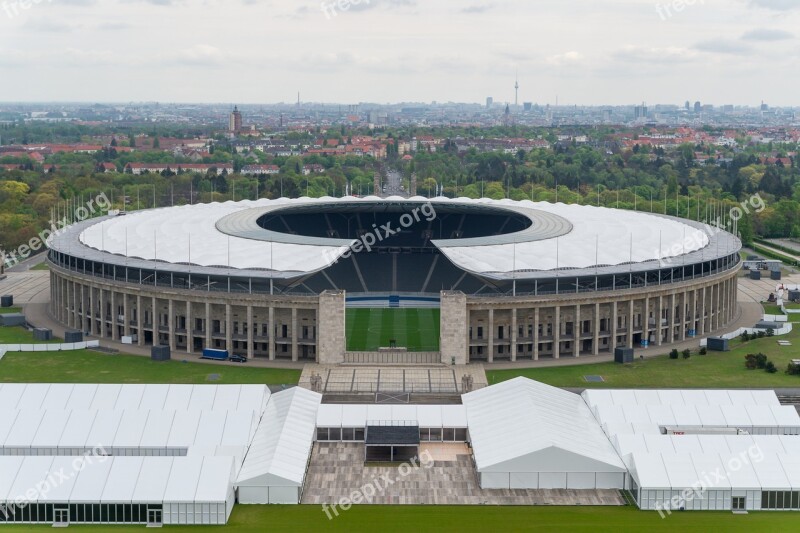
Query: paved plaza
[(337, 470)]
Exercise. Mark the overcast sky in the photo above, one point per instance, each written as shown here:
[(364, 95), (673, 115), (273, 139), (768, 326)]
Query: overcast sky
[(264, 51)]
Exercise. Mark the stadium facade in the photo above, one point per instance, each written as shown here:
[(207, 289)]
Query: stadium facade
[(513, 280)]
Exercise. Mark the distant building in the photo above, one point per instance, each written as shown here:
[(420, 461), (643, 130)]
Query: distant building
[(527, 106), (489, 102), (698, 107), (235, 123)]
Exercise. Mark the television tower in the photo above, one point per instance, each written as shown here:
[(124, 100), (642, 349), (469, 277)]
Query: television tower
[(516, 91)]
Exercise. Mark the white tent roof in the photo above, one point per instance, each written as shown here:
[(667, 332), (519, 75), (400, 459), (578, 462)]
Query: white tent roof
[(121, 480), (691, 408), (152, 481), (520, 417), (282, 444)]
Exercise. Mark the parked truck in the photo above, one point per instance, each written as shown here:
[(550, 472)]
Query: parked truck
[(215, 355)]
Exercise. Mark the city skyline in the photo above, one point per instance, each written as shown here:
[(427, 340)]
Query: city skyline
[(617, 52)]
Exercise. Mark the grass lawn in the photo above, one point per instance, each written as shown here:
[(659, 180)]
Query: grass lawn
[(415, 329), (84, 366), (772, 309), (41, 266), (20, 335), (714, 370), (9, 310), (404, 518)]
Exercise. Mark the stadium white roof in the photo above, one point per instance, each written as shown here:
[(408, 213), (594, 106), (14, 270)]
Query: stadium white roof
[(525, 425), (279, 453), (593, 236), (357, 415)]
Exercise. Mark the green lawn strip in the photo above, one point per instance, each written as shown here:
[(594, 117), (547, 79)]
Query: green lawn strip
[(41, 266), (84, 366), (467, 519), (715, 370), (20, 335), (772, 309), (416, 337), (9, 310)]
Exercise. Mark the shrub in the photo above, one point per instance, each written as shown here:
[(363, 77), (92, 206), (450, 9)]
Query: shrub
[(674, 353), (687, 354), (770, 367), (745, 336), (770, 332), (762, 334), (761, 360), (703, 350), (750, 362), (793, 370)]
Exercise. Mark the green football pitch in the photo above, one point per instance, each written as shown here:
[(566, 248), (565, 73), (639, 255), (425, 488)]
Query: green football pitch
[(414, 329)]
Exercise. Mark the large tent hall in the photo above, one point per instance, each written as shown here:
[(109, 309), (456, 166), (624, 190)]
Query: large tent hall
[(528, 435), (146, 454), (116, 490), (275, 466), (704, 449)]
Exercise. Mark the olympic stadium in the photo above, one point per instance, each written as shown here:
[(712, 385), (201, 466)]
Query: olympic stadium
[(394, 280)]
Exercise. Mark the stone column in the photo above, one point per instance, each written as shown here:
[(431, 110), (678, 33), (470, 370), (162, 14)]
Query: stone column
[(250, 349), (702, 313), (536, 334), (514, 334), (613, 341), (102, 313), (295, 353), (114, 316), (671, 318), (126, 315), (272, 333), (490, 354), (331, 328), (156, 320), (576, 328), (83, 309), (228, 329), (91, 310), (171, 325), (659, 313), (557, 333), (189, 328), (139, 320), (630, 323), (684, 305), (596, 328), (209, 329)]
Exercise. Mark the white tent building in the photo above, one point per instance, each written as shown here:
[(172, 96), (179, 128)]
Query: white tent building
[(528, 435), (275, 466)]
